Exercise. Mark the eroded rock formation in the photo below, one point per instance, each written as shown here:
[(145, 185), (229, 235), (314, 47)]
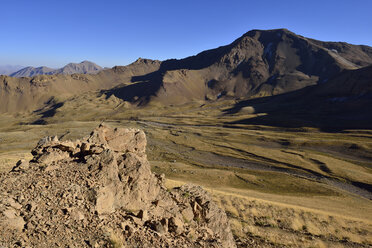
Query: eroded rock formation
[(100, 192)]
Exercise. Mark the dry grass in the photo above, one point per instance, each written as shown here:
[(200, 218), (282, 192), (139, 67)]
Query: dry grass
[(192, 143), (9, 159), (286, 224)]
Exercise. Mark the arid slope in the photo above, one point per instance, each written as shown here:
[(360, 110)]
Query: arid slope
[(258, 64), (29, 94), (342, 103)]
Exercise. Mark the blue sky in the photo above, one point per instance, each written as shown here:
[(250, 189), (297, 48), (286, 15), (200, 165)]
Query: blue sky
[(108, 32)]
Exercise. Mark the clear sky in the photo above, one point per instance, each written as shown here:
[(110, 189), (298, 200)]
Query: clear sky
[(117, 32)]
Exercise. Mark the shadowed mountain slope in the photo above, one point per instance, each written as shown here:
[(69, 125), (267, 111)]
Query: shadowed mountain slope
[(342, 103), (260, 63), (28, 94)]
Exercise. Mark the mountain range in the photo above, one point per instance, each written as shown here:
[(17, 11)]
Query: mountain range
[(277, 71), (85, 67), (258, 64)]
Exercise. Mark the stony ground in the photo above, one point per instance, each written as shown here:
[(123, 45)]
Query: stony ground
[(100, 192), (192, 144)]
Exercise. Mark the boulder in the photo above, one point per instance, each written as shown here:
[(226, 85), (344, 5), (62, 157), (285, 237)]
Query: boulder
[(99, 190)]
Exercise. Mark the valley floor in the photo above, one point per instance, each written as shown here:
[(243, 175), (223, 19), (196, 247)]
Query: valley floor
[(290, 187)]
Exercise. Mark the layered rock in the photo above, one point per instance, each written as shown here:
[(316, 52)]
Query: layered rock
[(99, 191)]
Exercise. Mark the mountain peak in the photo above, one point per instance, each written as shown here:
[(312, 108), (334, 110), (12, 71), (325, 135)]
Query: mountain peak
[(87, 62), (260, 63), (271, 34), (84, 67), (142, 60), (282, 30)]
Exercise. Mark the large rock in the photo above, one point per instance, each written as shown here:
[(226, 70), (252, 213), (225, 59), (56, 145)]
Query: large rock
[(99, 190), (119, 140)]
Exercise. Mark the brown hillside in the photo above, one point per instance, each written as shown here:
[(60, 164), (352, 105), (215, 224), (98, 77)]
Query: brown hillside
[(27, 94), (258, 64), (342, 103)]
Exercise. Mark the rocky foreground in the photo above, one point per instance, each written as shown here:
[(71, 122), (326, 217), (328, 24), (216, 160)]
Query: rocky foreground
[(100, 192)]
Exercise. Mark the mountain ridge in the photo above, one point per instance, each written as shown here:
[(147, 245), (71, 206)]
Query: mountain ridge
[(258, 64), (84, 67), (341, 103)]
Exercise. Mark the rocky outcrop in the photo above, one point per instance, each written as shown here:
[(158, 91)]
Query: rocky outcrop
[(100, 192)]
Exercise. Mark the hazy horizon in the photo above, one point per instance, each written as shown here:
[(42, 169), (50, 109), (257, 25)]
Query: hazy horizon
[(117, 33), (24, 66)]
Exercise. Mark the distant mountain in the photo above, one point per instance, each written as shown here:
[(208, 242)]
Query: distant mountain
[(260, 63), (32, 71), (28, 94), (84, 67), (9, 69)]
